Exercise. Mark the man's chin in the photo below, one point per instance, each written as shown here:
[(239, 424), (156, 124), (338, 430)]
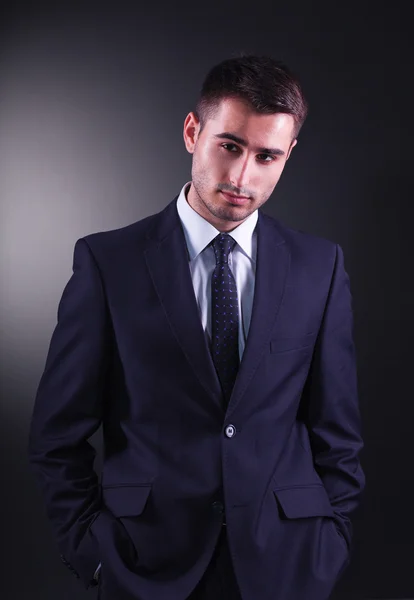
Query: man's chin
[(234, 214)]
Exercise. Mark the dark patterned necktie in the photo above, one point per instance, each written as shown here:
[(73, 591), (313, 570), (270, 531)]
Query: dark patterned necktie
[(225, 316)]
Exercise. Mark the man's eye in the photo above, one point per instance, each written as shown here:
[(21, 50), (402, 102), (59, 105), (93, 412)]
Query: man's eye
[(226, 146), (262, 157)]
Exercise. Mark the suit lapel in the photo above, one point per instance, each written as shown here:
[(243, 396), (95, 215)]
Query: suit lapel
[(272, 266), (167, 261)]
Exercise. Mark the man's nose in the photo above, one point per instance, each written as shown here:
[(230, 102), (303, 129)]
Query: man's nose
[(240, 175)]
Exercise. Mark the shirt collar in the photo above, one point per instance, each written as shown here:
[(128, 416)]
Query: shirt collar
[(199, 232)]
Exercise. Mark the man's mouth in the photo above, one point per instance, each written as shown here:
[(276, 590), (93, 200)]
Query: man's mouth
[(238, 200)]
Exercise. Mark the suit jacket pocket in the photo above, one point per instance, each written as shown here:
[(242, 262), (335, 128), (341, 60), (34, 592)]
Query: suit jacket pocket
[(303, 501), (126, 500), (308, 501), (286, 344)]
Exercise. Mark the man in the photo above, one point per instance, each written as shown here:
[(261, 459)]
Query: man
[(215, 347)]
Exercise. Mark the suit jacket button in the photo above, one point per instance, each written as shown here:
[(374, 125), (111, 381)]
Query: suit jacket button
[(230, 431)]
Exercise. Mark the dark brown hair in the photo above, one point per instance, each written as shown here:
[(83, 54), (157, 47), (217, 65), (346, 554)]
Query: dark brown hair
[(266, 84)]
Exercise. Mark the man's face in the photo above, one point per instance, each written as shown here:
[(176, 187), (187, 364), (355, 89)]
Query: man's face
[(240, 152)]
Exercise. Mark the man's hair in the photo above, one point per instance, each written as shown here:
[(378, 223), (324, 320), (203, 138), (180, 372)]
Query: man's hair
[(266, 84)]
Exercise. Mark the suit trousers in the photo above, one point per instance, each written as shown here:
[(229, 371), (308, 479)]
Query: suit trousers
[(219, 581)]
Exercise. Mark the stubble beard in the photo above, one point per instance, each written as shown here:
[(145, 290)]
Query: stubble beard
[(233, 214)]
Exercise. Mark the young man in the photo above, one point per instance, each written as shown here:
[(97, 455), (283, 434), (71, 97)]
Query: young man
[(215, 347)]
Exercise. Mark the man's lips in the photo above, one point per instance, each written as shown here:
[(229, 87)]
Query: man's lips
[(235, 199)]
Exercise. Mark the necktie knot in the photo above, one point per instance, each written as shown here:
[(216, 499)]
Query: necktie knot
[(223, 244)]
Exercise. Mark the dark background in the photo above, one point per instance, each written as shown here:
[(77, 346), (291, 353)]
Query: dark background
[(92, 103)]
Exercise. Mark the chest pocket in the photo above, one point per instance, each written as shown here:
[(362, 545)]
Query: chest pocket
[(290, 344)]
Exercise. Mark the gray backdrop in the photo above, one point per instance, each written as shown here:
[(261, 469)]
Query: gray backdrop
[(92, 103)]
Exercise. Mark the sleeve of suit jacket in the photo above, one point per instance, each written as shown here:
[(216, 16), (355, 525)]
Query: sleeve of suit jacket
[(67, 411), (331, 401)]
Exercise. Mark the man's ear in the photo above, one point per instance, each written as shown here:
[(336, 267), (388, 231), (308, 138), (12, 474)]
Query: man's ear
[(190, 132), (292, 145)]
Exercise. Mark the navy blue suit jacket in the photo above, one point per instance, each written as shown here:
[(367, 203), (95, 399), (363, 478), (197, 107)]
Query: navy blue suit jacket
[(280, 464)]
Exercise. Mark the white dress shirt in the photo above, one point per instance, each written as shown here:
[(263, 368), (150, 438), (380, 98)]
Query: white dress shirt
[(242, 262)]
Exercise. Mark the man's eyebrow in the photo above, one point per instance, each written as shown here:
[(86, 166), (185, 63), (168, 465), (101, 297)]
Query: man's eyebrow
[(230, 136)]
